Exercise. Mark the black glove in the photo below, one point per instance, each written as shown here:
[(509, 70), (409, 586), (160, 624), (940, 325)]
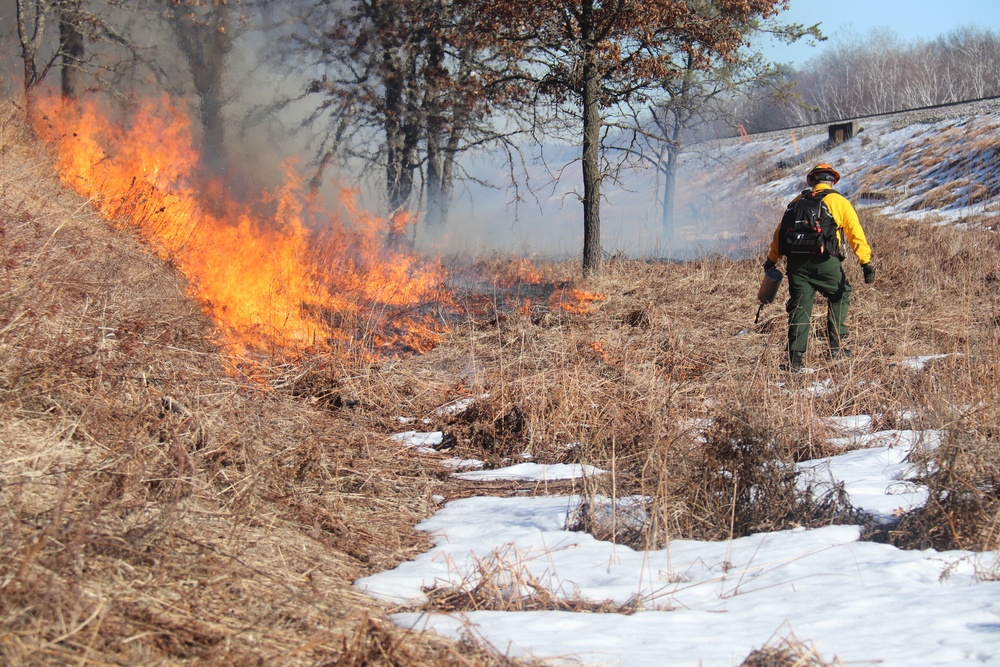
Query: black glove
[(768, 265), (869, 272)]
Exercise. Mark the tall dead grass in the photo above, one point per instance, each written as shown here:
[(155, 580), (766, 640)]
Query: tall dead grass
[(788, 652), (157, 510), (963, 480)]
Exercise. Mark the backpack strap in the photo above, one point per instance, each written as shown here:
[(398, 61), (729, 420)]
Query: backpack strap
[(835, 250), (808, 192)]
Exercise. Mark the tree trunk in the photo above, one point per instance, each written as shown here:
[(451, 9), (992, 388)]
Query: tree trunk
[(398, 175), (440, 173), (669, 169), (448, 170), (30, 30), (400, 141), (398, 170), (673, 153), (71, 49), (680, 116), (435, 127), (215, 46), (205, 43), (591, 154), (434, 169), (438, 188)]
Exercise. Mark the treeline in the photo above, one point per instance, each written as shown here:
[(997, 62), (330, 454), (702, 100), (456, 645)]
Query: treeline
[(877, 72)]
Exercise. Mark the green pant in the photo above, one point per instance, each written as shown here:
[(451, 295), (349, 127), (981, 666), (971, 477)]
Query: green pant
[(806, 276)]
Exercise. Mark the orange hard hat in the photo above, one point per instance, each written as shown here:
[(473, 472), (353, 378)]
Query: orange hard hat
[(821, 168)]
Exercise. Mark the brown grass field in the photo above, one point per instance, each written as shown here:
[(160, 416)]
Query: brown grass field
[(158, 510)]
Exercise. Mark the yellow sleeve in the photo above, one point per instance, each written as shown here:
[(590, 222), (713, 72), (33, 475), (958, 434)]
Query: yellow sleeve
[(773, 255), (847, 220)]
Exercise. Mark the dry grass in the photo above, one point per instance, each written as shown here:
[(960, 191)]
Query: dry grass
[(160, 511), (504, 581), (669, 384), (157, 510), (788, 652), (963, 480)]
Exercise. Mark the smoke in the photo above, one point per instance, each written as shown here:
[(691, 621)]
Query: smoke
[(715, 212), (266, 132)]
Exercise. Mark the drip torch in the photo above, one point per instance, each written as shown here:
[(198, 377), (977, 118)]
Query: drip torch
[(768, 289)]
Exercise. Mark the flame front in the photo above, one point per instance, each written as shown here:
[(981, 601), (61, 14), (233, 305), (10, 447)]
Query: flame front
[(275, 273)]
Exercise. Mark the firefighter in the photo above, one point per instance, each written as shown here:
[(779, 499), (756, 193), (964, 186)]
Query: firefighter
[(817, 267)]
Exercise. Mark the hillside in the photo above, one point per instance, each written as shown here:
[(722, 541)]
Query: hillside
[(906, 165), (162, 509), (156, 509)]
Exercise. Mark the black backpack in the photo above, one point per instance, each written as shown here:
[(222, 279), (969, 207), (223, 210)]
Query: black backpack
[(808, 227)]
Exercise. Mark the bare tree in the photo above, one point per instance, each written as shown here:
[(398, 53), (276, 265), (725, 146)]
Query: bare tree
[(876, 72), (32, 19), (709, 97), (402, 86), (71, 47), (970, 55), (85, 46)]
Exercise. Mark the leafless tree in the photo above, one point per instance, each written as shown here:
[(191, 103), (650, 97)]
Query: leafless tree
[(876, 72), (71, 47), (33, 17), (709, 97), (400, 86), (56, 34), (203, 35)]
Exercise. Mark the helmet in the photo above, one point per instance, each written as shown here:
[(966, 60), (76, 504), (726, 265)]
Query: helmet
[(822, 168)]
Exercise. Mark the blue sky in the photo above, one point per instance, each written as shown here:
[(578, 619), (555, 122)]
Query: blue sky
[(911, 20)]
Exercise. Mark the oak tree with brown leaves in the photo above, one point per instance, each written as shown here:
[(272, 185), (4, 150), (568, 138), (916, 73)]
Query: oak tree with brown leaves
[(590, 57)]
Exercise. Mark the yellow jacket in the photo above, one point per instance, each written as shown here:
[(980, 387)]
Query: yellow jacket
[(847, 226)]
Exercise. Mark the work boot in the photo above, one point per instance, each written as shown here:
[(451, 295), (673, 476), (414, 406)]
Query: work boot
[(794, 364), (840, 353)]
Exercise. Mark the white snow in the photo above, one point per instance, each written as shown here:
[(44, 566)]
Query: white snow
[(462, 463), (876, 476), (709, 604), (532, 472), (456, 407), (920, 363), (422, 442), (883, 142), (852, 425)]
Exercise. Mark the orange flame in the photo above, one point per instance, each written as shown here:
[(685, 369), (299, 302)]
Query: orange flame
[(565, 298), (573, 300), (523, 272), (273, 271)]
